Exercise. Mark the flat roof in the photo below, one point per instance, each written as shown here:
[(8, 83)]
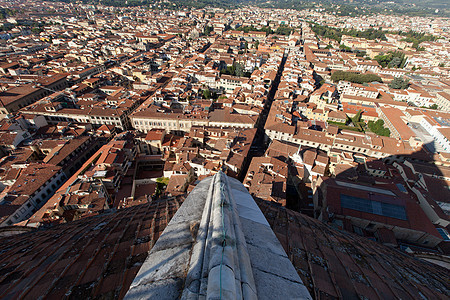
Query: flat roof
[(365, 188)]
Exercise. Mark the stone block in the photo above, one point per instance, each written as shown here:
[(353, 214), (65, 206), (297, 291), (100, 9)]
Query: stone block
[(215, 257), (192, 208), (166, 264), (270, 286), (221, 282), (252, 214), (175, 235), (269, 262), (261, 236), (248, 293), (165, 289)]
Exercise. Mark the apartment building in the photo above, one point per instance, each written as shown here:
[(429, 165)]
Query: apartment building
[(33, 187)]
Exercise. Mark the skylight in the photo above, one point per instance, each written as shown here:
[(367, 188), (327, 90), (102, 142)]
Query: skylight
[(373, 207)]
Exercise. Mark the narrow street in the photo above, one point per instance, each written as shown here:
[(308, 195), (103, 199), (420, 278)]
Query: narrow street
[(259, 146), (259, 139)]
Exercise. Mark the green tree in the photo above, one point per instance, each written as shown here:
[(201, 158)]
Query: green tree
[(399, 83), (207, 94), (354, 77), (416, 38), (392, 59), (161, 184), (208, 30), (337, 33), (163, 180), (357, 118), (378, 128), (247, 29), (239, 70), (283, 30), (395, 62), (343, 47), (361, 53), (36, 30)]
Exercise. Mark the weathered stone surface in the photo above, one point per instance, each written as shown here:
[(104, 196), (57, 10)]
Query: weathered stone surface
[(258, 235), (269, 262), (236, 185), (245, 199), (226, 258), (248, 292), (188, 263), (245, 266), (166, 264), (175, 235), (221, 283), (252, 214), (194, 204), (164, 289), (270, 286)]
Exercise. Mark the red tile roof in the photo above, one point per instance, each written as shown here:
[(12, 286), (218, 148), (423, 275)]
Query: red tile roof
[(97, 257), (336, 264)]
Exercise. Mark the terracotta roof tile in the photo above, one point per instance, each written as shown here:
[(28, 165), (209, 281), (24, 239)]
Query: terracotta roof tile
[(337, 264), (94, 257)]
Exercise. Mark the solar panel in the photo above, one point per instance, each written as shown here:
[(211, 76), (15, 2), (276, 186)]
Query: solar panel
[(373, 207)]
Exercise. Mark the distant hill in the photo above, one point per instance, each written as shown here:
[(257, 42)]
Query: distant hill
[(359, 7), (340, 7)]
